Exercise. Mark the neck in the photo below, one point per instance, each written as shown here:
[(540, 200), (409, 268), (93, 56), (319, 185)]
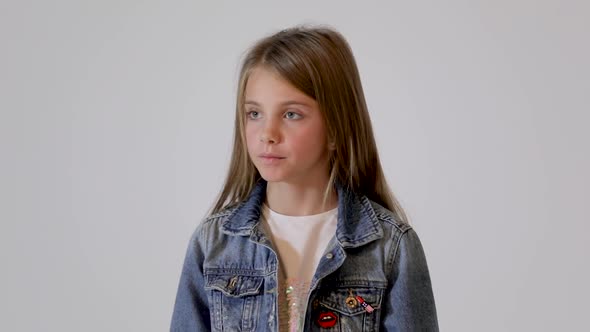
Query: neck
[(299, 199)]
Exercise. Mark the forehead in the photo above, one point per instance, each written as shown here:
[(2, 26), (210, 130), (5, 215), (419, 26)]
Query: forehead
[(265, 86)]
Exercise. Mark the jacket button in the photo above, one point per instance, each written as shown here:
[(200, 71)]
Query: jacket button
[(329, 255), (232, 283)]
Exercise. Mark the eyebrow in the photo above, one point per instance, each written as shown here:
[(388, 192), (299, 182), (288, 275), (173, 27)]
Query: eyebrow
[(285, 103)]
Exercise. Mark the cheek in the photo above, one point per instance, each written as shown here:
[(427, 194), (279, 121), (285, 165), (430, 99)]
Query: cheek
[(309, 139), (250, 134), (250, 139)]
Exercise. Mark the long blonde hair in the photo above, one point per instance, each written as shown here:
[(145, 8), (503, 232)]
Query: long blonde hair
[(319, 62)]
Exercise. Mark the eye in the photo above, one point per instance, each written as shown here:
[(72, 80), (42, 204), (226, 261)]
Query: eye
[(249, 114), (291, 114)]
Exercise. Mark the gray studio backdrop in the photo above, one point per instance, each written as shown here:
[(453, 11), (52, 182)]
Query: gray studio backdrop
[(116, 125)]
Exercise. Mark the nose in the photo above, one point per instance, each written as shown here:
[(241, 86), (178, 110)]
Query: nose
[(269, 133)]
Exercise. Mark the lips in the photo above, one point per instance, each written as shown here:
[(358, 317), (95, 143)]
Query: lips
[(270, 155), (271, 160)]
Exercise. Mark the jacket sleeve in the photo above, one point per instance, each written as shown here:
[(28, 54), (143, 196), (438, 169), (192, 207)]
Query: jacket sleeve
[(408, 304), (191, 308)]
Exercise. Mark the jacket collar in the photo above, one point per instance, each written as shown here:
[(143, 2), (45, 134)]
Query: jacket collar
[(357, 223)]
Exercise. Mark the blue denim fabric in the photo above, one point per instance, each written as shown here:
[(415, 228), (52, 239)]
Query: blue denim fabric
[(229, 278)]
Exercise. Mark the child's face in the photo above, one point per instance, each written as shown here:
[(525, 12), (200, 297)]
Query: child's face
[(293, 131)]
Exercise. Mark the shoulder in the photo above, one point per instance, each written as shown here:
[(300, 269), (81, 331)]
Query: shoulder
[(405, 247), (388, 219), (396, 232), (221, 215), (210, 224)]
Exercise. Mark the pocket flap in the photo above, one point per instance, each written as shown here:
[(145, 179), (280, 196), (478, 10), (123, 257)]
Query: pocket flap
[(336, 299), (234, 285)]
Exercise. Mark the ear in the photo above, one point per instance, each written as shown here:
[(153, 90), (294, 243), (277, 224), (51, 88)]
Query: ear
[(332, 146)]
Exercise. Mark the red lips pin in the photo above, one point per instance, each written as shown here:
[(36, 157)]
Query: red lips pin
[(327, 319)]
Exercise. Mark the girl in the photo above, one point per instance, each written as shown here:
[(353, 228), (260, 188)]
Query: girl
[(305, 235)]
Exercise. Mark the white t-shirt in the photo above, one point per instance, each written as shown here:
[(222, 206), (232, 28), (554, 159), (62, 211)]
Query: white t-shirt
[(300, 242)]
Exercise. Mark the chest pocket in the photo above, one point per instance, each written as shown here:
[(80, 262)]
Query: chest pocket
[(234, 301), (338, 309)]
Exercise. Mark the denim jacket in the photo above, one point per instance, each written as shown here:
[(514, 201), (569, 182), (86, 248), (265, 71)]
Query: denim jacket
[(229, 277)]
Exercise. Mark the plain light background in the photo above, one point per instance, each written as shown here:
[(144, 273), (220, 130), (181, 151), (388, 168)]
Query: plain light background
[(117, 118)]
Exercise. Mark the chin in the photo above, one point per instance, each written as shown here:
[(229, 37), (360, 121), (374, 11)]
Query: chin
[(272, 178)]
